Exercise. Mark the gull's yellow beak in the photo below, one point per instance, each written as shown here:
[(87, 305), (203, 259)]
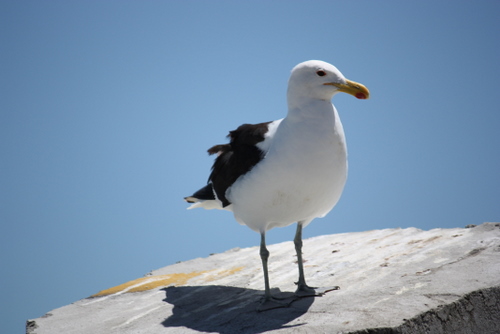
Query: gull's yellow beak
[(350, 87)]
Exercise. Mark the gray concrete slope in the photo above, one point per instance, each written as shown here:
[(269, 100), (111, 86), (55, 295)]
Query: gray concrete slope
[(392, 281)]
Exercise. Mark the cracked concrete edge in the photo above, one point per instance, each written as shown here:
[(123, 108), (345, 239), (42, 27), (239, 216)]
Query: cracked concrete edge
[(476, 312)]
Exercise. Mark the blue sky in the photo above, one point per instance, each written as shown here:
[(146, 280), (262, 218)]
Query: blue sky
[(108, 108)]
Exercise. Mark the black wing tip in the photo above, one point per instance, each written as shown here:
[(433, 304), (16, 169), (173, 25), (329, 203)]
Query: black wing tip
[(203, 194)]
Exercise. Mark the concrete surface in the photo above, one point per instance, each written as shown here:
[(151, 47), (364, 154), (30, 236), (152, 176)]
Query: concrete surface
[(392, 281)]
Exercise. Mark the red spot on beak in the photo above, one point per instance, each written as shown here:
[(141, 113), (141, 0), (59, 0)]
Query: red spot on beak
[(361, 96)]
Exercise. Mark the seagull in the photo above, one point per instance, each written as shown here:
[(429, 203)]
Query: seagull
[(294, 169)]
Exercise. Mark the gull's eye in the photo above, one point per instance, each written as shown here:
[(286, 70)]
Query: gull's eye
[(321, 73)]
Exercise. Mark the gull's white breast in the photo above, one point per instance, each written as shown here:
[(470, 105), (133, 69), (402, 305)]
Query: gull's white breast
[(302, 175)]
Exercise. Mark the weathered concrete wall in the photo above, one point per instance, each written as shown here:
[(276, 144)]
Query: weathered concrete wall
[(392, 281), (476, 312)]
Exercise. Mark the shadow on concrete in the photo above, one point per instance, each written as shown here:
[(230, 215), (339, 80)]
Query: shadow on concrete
[(229, 310)]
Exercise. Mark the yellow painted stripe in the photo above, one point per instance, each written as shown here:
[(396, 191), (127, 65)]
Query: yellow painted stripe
[(221, 274), (152, 282)]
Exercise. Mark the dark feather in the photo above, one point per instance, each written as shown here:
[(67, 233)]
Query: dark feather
[(205, 193), (236, 158)]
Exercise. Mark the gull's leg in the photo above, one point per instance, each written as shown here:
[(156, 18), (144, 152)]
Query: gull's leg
[(301, 284), (303, 290), (264, 256), (269, 302)]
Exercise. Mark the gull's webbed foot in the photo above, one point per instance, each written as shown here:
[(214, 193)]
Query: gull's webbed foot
[(280, 300), (303, 290), (272, 303)]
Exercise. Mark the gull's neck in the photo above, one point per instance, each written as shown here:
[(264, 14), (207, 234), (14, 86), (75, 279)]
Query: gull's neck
[(303, 108)]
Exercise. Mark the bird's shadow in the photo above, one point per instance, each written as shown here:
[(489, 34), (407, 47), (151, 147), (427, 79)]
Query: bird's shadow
[(226, 310)]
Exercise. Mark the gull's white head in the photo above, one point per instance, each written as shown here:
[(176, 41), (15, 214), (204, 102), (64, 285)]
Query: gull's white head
[(319, 80)]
